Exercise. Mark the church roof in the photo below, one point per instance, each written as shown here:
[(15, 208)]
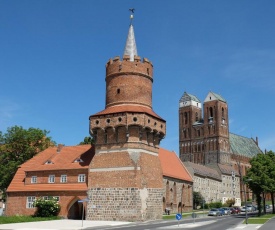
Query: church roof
[(219, 97), (172, 166), (188, 97), (243, 146), (214, 97)]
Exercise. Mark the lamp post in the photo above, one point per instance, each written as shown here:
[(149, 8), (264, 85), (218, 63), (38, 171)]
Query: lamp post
[(245, 200)]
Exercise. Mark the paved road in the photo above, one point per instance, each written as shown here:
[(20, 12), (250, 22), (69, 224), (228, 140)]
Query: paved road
[(202, 223), (207, 223)]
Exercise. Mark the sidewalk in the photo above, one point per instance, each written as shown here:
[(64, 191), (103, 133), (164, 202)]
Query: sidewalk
[(61, 224), (269, 225)]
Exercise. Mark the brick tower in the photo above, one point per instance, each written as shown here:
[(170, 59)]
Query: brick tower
[(204, 140), (190, 129), (125, 175), (216, 130)]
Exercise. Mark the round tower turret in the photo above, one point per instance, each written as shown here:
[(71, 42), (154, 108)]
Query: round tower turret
[(129, 82)]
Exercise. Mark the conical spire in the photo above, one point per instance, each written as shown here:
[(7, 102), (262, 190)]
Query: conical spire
[(130, 47)]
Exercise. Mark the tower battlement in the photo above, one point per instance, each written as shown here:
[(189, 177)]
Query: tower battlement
[(139, 66)]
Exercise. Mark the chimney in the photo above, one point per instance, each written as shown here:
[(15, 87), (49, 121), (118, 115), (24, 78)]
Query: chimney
[(59, 147)]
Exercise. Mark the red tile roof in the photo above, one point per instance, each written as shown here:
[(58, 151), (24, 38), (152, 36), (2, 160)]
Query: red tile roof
[(172, 166), (127, 108), (65, 159)]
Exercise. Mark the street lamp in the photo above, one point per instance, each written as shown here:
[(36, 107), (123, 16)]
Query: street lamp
[(245, 200)]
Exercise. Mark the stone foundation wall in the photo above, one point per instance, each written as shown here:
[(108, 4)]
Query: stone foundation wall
[(124, 204)]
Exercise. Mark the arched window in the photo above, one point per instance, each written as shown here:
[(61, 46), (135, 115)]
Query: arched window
[(175, 193), (185, 118), (210, 112), (167, 192)]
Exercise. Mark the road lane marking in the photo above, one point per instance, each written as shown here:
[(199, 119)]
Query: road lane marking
[(189, 225)]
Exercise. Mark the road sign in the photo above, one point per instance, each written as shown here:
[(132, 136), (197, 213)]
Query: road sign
[(178, 216), (194, 215), (84, 200)]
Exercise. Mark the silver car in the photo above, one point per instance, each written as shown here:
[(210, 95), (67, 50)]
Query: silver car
[(214, 212), (226, 210)]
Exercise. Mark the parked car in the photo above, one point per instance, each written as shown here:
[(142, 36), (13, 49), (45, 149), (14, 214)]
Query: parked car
[(267, 206), (251, 208), (222, 211), (214, 212), (235, 210), (238, 209), (243, 208), (226, 210)]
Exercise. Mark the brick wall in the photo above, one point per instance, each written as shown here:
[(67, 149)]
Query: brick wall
[(16, 201)]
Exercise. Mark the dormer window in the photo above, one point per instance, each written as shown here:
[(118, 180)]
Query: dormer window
[(48, 162), (78, 160)]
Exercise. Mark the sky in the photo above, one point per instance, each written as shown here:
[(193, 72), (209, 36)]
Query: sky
[(53, 55)]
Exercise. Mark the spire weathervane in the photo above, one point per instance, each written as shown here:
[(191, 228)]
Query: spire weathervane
[(132, 15), (130, 47)]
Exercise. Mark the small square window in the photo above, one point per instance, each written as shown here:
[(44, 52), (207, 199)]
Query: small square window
[(34, 179), (63, 179), (81, 178), (51, 179)]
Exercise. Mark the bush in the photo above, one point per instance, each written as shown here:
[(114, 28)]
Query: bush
[(215, 205), (46, 208)]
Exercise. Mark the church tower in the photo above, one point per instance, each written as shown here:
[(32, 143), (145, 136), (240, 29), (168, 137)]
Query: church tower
[(216, 129), (190, 129), (204, 139), (125, 175)]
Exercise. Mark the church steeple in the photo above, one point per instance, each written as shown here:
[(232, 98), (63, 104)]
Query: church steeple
[(130, 47)]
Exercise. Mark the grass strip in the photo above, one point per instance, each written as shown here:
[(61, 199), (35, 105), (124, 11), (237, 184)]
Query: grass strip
[(21, 219), (260, 219)]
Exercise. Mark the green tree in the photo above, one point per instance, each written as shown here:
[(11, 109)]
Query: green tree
[(230, 202), (260, 177), (87, 140), (197, 199), (18, 145), (270, 184)]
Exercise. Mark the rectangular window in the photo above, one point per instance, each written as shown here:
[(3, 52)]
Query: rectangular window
[(51, 179), (63, 178), (50, 197), (34, 180), (81, 178), (30, 200)]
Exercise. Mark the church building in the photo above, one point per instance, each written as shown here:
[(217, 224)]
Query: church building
[(205, 142)]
